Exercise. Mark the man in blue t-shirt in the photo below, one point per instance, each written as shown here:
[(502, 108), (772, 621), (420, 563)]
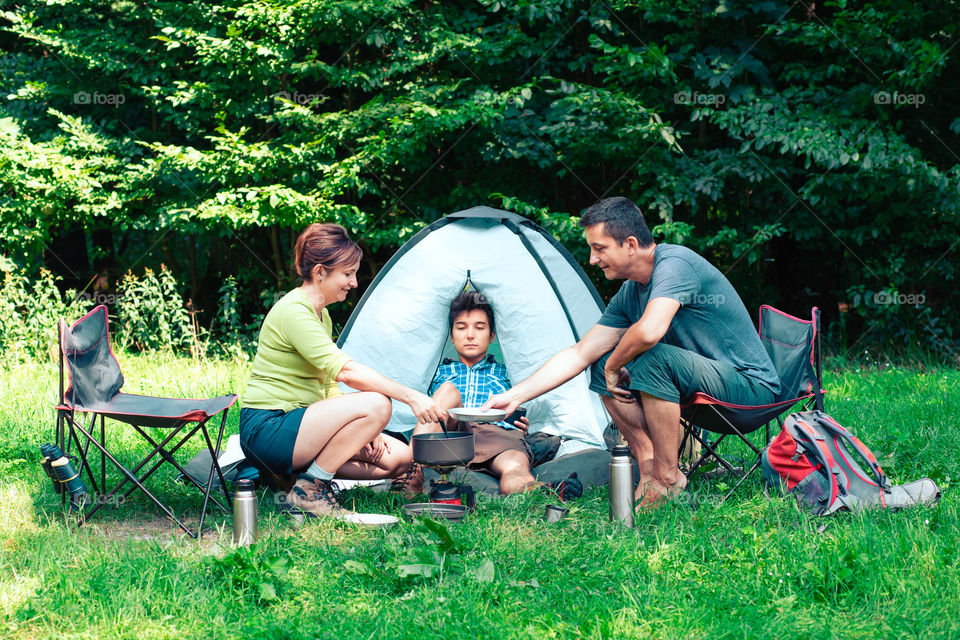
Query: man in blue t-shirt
[(676, 327)]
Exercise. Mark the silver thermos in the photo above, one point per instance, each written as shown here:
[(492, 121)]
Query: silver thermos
[(244, 514), (621, 486)]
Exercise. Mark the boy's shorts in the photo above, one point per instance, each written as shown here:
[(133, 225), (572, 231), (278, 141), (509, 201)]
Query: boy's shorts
[(490, 440)]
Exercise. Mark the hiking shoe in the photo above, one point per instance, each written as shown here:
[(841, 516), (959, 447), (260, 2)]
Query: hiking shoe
[(410, 482), (568, 489), (313, 498)]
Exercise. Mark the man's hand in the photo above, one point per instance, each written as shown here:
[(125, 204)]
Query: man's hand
[(618, 384), (424, 408), (505, 401)]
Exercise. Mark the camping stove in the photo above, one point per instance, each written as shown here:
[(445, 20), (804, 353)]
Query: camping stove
[(444, 492), (443, 452)]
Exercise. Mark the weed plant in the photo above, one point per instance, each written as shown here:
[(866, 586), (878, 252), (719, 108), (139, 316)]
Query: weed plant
[(753, 567)]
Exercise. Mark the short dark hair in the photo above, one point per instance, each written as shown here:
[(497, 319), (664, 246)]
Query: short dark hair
[(468, 301), (621, 218)]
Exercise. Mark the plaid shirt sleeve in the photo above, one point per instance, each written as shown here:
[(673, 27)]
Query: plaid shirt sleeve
[(500, 372)]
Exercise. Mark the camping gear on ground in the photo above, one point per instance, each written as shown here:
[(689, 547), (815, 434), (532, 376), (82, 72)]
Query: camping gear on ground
[(794, 347), (59, 469), (621, 486), (244, 514), (233, 465), (442, 452), (815, 459), (452, 512), (554, 513), (450, 493), (542, 302), (544, 447), (371, 520), (95, 391), (592, 467)]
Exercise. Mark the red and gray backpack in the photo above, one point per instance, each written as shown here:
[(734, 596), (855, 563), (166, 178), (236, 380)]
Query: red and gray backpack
[(819, 461)]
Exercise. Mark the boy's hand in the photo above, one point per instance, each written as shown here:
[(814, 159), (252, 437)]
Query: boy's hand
[(523, 424)]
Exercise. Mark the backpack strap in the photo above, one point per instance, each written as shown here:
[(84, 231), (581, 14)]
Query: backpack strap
[(835, 428), (815, 448)]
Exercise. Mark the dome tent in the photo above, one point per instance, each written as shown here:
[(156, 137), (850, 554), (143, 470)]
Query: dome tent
[(542, 302)]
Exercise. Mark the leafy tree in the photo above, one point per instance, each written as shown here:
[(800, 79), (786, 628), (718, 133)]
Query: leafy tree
[(808, 149)]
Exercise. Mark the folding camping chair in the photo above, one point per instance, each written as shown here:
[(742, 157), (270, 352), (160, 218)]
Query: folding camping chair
[(95, 383), (794, 347)]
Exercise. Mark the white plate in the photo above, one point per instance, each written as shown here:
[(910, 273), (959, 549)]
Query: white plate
[(476, 414), (370, 520)]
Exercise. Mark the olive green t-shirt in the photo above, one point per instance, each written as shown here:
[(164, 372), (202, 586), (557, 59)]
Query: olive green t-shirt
[(297, 362)]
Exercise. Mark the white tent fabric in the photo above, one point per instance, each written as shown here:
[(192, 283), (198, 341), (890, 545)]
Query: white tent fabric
[(400, 325)]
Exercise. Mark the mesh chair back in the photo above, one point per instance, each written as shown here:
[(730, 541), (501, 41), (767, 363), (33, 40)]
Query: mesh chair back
[(95, 376), (791, 344)]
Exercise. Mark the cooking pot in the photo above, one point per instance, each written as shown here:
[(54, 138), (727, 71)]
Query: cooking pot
[(443, 449)]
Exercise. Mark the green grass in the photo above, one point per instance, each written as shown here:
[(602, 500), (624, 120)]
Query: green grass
[(752, 567)]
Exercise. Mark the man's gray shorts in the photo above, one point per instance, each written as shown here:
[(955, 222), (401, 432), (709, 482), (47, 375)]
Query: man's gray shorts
[(675, 374)]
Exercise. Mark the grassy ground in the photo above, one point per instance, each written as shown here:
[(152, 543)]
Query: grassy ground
[(751, 567)]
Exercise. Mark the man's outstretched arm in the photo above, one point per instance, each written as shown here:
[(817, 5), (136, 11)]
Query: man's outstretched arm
[(558, 369)]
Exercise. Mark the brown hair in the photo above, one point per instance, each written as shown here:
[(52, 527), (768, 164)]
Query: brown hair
[(327, 245), (468, 301)]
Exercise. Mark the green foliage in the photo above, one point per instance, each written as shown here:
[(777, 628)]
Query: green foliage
[(234, 336), (29, 312), (808, 150), (253, 572), (151, 313)]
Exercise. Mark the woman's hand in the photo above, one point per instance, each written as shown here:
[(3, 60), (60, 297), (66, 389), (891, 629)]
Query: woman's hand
[(618, 384), (374, 450), (424, 408)]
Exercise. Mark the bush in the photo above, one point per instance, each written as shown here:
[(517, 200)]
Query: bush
[(151, 314), (29, 313)]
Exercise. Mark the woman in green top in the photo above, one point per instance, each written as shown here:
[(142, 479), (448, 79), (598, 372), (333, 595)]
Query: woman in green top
[(294, 418)]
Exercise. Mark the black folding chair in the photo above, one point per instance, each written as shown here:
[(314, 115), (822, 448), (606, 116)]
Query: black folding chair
[(794, 347), (94, 391)]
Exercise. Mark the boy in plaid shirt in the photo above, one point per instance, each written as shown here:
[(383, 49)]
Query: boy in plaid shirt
[(469, 381)]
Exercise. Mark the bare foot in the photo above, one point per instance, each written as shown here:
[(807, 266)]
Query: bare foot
[(655, 494)]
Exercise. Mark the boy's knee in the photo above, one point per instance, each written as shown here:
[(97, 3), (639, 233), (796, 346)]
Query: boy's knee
[(518, 479), (448, 390)]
